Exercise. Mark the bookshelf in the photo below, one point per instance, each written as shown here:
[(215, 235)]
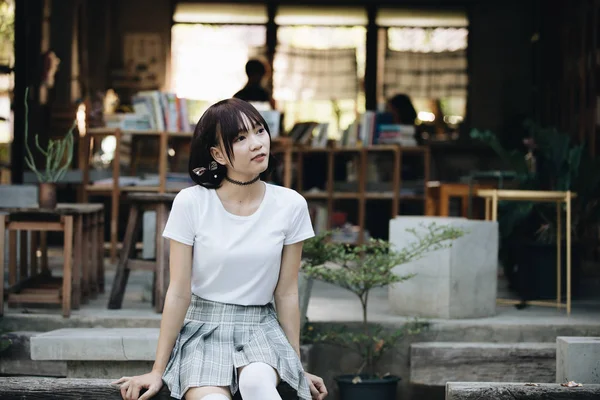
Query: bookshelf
[(364, 191), (114, 188)]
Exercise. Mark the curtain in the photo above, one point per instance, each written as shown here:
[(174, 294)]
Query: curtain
[(426, 75), (315, 74)]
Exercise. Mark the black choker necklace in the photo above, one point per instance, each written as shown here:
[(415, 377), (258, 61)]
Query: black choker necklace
[(242, 183)]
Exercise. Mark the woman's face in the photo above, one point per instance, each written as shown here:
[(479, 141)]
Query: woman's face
[(250, 152)]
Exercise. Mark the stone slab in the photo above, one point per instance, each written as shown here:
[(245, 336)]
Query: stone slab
[(106, 352), (519, 391), (16, 358), (438, 363), (88, 344), (578, 359), (452, 283)]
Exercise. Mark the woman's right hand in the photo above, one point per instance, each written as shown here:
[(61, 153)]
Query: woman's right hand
[(131, 386)]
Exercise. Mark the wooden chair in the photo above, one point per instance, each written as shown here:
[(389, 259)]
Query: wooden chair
[(159, 202)]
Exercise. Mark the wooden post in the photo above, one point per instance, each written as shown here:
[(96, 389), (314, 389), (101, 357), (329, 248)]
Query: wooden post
[(67, 268)]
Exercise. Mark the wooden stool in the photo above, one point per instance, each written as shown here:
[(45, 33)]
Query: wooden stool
[(439, 194), (159, 202)]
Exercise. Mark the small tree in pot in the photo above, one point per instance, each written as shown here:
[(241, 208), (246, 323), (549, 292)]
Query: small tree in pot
[(58, 156), (360, 269)]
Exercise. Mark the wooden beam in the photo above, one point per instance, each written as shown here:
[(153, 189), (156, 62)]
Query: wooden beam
[(519, 391), (34, 226), (13, 388)]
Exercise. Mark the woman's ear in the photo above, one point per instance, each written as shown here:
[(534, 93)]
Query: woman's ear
[(217, 155)]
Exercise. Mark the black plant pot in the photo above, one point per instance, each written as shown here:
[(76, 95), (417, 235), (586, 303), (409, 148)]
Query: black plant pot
[(368, 388), (536, 273)]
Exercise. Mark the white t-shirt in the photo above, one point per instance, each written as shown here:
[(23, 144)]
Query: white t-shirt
[(237, 259)]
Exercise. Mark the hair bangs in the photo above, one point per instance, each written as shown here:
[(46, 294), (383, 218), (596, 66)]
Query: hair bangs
[(237, 117)]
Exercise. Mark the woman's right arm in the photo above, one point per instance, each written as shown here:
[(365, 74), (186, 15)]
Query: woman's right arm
[(177, 301)]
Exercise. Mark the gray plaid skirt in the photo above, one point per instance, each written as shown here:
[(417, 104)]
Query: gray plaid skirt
[(216, 339)]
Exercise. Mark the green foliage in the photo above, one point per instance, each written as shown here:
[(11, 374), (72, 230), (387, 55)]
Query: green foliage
[(560, 165), (5, 343), (55, 165), (362, 268)]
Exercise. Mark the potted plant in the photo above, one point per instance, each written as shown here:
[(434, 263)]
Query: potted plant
[(547, 160), (314, 252), (360, 269), (57, 155)]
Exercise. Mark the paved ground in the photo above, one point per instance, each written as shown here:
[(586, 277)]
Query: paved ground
[(328, 303)]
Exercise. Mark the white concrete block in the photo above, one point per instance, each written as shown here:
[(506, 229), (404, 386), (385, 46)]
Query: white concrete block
[(457, 282), (578, 359), (87, 344)]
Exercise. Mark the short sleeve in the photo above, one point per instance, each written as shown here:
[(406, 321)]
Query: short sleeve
[(180, 226), (300, 225)]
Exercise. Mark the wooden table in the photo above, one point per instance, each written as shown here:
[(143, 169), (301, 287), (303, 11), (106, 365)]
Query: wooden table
[(160, 203), (438, 197), (83, 268), (493, 196)]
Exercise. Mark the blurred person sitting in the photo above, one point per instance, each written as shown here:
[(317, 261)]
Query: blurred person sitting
[(402, 109), (254, 92)]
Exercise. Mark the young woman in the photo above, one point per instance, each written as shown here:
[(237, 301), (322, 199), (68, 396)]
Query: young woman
[(236, 244)]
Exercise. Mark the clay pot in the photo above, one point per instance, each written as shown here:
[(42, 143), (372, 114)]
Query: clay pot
[(47, 195)]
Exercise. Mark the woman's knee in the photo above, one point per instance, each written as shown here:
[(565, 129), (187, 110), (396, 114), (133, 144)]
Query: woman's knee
[(257, 377), (208, 393)]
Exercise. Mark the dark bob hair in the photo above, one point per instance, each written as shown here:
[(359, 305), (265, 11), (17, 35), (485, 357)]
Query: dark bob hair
[(224, 120)]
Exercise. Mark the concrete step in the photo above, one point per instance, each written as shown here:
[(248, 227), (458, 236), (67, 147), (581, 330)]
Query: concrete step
[(437, 363), (106, 352)]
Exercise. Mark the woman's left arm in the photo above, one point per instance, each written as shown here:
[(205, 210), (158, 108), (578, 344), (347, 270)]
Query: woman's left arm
[(286, 294)]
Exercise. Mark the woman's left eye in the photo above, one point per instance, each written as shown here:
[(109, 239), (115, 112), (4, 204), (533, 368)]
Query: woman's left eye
[(262, 130)]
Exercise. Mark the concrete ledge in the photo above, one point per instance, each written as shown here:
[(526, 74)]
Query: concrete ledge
[(106, 352), (578, 359), (437, 363), (96, 344), (518, 391)]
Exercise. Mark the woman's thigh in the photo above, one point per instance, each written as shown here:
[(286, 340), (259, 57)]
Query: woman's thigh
[(198, 393)]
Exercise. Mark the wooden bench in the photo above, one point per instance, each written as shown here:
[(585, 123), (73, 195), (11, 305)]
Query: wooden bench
[(29, 388)]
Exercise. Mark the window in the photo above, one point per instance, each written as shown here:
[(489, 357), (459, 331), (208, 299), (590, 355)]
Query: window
[(208, 61), (7, 35), (430, 65), (319, 65), (318, 74)]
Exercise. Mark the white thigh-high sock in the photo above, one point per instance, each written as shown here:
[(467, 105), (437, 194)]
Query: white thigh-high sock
[(215, 396), (258, 381)]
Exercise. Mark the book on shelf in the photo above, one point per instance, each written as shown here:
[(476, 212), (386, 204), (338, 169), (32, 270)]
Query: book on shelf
[(165, 111)]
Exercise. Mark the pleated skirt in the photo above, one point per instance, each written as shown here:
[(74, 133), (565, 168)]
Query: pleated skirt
[(216, 339)]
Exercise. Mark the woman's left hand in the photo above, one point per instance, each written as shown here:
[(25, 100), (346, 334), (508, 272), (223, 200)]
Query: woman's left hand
[(317, 387)]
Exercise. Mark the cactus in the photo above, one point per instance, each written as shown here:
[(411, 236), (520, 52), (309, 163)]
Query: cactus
[(54, 153)]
